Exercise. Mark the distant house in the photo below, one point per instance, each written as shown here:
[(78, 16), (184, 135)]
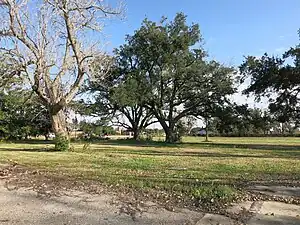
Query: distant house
[(127, 133), (118, 130), (202, 132), (198, 131)]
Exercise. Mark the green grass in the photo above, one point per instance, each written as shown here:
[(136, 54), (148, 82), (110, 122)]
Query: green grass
[(248, 140), (188, 167)]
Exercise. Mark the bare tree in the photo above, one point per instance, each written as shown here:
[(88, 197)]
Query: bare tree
[(52, 44)]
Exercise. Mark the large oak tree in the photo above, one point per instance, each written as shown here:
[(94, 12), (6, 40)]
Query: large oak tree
[(170, 64)]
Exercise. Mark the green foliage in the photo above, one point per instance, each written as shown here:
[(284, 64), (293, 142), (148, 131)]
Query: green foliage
[(161, 72), (62, 143), (240, 120), (276, 79), (167, 72), (214, 194), (147, 136), (119, 95), (22, 115)]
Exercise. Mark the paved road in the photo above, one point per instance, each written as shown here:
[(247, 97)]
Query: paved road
[(25, 207)]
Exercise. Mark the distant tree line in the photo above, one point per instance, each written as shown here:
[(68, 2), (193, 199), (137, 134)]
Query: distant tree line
[(242, 121)]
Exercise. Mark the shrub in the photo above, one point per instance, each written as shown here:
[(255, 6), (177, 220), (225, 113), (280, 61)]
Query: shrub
[(147, 136), (214, 194), (62, 143)]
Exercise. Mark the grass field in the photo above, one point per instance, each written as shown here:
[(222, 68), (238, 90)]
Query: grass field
[(183, 167)]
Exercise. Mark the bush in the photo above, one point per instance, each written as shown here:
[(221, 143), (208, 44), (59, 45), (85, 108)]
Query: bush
[(146, 136), (214, 194), (62, 143)]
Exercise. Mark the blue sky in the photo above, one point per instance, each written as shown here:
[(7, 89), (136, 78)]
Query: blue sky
[(231, 28)]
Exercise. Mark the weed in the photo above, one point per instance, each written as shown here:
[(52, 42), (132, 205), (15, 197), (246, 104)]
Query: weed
[(214, 193)]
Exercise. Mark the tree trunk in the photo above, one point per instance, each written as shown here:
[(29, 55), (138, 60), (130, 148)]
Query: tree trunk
[(171, 136), (206, 135), (58, 122), (206, 130), (59, 127), (136, 134)]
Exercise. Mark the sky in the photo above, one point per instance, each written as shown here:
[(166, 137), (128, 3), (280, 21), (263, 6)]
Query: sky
[(231, 29)]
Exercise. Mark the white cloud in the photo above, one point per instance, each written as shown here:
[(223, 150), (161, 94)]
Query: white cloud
[(280, 49)]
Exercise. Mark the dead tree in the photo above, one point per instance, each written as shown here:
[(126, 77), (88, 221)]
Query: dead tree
[(52, 44)]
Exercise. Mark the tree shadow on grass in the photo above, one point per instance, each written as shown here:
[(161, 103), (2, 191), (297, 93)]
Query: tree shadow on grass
[(160, 144), (29, 141), (137, 143), (147, 152), (28, 149), (244, 146), (283, 150)]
